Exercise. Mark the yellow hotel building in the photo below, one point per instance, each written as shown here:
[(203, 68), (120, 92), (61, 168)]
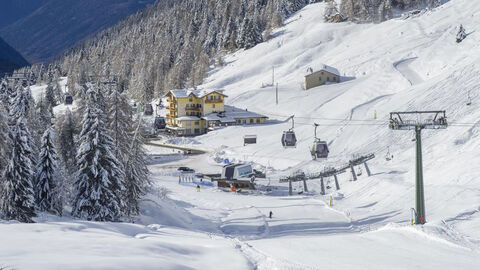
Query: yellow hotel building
[(192, 112)]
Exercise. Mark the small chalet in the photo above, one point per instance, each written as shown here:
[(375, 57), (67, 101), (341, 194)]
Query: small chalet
[(321, 75)]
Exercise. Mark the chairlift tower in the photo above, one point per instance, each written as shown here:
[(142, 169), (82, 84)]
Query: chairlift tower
[(423, 120)]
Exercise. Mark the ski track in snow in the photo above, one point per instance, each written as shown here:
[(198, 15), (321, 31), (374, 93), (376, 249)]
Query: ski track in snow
[(410, 75)]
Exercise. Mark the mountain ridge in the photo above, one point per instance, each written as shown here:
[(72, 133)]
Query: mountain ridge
[(10, 59), (59, 24)]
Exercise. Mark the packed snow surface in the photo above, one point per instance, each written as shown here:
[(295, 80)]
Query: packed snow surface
[(398, 65)]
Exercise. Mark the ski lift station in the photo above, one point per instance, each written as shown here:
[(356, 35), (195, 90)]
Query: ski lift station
[(234, 177)]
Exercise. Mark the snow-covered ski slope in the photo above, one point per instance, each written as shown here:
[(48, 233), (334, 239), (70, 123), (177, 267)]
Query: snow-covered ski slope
[(398, 65)]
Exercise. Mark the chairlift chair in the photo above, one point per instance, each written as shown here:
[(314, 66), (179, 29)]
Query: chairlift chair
[(289, 140), (319, 148)]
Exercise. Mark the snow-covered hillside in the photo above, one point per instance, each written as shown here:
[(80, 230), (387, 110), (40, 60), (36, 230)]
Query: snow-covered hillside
[(398, 65), (401, 64)]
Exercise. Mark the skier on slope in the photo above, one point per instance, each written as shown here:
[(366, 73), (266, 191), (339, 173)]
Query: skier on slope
[(270, 214)]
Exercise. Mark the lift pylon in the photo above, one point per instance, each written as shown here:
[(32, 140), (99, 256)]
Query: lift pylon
[(422, 120)]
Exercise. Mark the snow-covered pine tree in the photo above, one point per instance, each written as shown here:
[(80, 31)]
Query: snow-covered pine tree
[(331, 13), (57, 91), (99, 185), (249, 34), (21, 106), (50, 96), (67, 149), (17, 198), (4, 140), (3, 93), (46, 193), (44, 114), (461, 35), (129, 150), (119, 124), (137, 173)]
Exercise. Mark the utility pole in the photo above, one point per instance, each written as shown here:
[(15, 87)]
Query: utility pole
[(273, 75), (276, 93), (423, 120)]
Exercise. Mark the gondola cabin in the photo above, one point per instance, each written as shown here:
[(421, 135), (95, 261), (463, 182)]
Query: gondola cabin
[(289, 140), (148, 109), (160, 122), (68, 99), (319, 149)]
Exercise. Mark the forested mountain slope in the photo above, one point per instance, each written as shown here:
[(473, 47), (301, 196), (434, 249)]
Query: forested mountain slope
[(172, 44)]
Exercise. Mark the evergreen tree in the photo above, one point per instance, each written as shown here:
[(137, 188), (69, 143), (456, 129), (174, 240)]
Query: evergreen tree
[(136, 170), (129, 150), (22, 107), (66, 146), (4, 140), (44, 115), (46, 194), (3, 93), (17, 198), (50, 96), (120, 124), (461, 35), (99, 185)]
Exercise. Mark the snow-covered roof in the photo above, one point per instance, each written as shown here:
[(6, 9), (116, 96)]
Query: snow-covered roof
[(186, 118), (231, 114), (211, 117), (322, 67), (227, 119), (237, 113), (217, 117), (199, 93)]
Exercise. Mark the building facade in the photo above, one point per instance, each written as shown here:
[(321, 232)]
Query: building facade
[(324, 74), (194, 112)]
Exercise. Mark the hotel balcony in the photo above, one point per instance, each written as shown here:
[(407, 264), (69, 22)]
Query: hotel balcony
[(214, 100), (197, 108)]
